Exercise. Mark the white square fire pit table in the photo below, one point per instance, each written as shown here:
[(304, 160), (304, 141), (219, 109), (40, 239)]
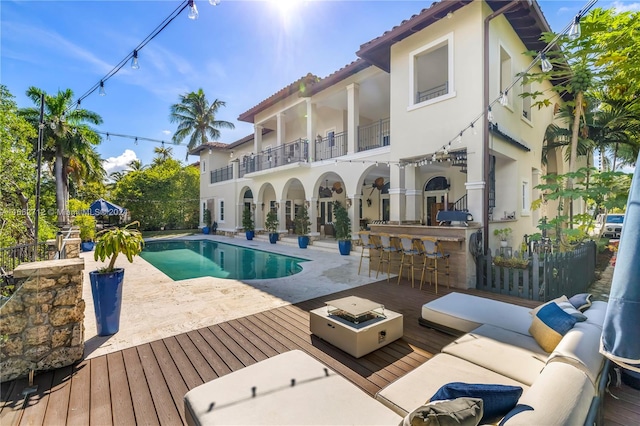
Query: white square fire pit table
[(357, 326)]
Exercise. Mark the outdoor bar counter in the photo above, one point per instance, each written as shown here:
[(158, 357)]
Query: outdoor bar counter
[(454, 241)]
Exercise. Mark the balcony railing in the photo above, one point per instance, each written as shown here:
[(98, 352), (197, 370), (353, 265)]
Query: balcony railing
[(292, 152), (432, 93), (222, 174), (10, 257), (331, 146), (374, 135)]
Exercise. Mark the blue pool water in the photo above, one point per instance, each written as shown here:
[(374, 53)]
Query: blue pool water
[(182, 260)]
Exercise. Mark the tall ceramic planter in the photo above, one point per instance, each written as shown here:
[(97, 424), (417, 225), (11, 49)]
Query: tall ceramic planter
[(249, 235), (273, 237), (87, 245), (106, 289), (303, 241), (345, 247)]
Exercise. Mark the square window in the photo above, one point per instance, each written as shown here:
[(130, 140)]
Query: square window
[(431, 71)]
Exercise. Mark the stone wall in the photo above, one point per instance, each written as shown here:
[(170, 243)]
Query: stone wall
[(42, 325), (71, 245)]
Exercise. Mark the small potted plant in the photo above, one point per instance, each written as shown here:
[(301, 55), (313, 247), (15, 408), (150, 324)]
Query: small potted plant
[(272, 226), (302, 226), (247, 223), (503, 234), (87, 227), (342, 227), (106, 282), (207, 220)]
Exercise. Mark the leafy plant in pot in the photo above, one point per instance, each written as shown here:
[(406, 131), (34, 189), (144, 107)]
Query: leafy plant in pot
[(106, 283), (503, 234), (247, 223), (207, 220), (272, 226), (302, 224), (87, 226), (342, 225)]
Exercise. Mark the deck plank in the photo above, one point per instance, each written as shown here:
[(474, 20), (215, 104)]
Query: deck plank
[(167, 410), (80, 394), (56, 413), (121, 403), (141, 399), (172, 376), (36, 404), (146, 383), (100, 392)]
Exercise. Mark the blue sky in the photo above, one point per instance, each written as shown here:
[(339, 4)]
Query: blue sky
[(240, 52)]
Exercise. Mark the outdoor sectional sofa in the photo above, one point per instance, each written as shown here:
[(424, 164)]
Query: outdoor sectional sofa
[(560, 388)]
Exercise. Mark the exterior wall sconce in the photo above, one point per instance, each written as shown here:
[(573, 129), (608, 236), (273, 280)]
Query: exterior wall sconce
[(262, 206), (277, 205), (348, 203), (307, 204)]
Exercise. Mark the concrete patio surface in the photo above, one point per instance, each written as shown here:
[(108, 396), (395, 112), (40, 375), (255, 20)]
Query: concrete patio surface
[(154, 306)]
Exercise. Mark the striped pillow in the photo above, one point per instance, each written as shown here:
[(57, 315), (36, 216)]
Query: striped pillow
[(566, 306), (549, 324)]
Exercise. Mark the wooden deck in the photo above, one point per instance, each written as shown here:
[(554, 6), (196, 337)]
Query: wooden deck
[(145, 384)]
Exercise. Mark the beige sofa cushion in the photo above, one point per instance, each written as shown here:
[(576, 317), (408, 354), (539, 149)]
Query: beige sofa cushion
[(412, 390), (560, 396), (595, 314), (579, 348), (511, 361), (507, 336), (317, 398), (465, 312)]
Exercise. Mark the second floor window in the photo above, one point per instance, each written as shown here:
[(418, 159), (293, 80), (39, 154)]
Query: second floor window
[(431, 69), (221, 211)]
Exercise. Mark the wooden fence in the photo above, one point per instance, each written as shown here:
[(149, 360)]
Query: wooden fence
[(547, 275)]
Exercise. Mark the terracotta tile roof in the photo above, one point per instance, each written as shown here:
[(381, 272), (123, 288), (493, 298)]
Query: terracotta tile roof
[(333, 78), (298, 86), (208, 145)]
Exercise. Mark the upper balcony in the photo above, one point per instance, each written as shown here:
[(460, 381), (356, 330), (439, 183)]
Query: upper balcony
[(289, 153), (374, 135)]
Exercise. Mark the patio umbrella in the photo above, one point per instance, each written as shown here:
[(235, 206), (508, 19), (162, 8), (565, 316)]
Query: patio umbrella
[(621, 331), (102, 207)]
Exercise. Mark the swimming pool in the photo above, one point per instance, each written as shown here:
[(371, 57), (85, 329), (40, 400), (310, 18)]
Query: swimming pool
[(181, 260)]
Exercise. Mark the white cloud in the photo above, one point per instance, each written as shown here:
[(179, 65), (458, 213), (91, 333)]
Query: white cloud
[(622, 6), (119, 163), (563, 10), (167, 132)]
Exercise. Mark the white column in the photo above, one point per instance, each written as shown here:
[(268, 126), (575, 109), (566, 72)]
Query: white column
[(280, 128), (282, 218), (313, 215), (396, 195), (413, 195), (257, 138), (311, 129), (353, 116), (355, 222)]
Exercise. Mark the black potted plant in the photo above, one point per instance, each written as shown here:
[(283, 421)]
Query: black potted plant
[(272, 226), (106, 283), (302, 224), (247, 223), (342, 226), (207, 220)]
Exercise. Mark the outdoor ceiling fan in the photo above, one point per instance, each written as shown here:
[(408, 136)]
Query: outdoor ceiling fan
[(377, 184)]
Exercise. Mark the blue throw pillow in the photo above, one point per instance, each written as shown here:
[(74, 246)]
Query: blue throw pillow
[(581, 301), (497, 400), (549, 325)]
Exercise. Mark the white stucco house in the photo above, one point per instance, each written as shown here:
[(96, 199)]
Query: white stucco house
[(382, 134)]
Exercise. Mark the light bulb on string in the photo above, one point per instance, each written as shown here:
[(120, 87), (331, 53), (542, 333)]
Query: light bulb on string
[(108, 136), (459, 138), (52, 125), (134, 61), (101, 92), (574, 31), (473, 129), (490, 115), (504, 101), (545, 64), (214, 2), (193, 10)]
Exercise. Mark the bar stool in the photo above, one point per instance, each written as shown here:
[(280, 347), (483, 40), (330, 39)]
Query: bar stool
[(369, 241), (445, 258), (390, 245), (431, 259), (409, 252)]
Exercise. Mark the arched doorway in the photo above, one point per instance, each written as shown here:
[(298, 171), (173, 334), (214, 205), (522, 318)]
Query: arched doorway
[(436, 197)]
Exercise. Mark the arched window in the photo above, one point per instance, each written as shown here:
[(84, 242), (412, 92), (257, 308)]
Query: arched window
[(438, 183)]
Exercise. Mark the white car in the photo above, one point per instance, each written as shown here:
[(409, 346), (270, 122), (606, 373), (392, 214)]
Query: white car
[(611, 223)]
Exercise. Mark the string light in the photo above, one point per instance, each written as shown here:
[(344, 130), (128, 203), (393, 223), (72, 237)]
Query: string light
[(193, 10), (544, 63), (134, 138), (214, 2), (102, 92), (489, 115), (134, 61), (504, 101), (574, 32)]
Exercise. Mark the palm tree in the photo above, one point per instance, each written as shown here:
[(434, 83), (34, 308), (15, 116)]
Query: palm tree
[(68, 142), (136, 166), (162, 154), (196, 117)]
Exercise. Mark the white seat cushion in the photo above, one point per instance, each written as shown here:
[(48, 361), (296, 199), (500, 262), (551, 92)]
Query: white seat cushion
[(317, 398), (579, 347), (412, 390), (503, 358), (465, 313)]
